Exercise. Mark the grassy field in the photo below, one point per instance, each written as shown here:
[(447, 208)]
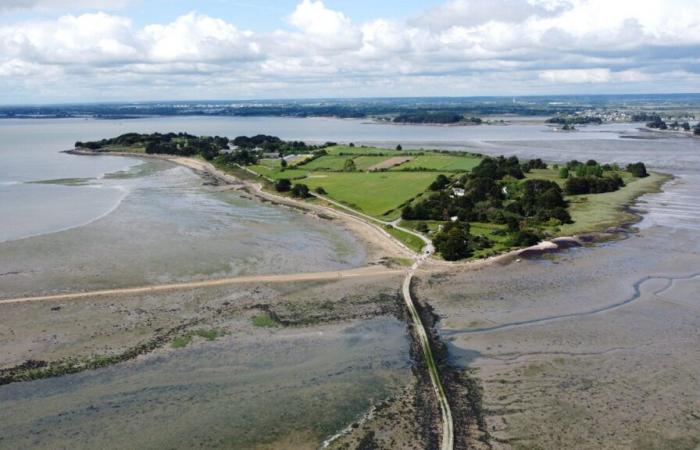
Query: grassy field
[(411, 241), (346, 150), (268, 162), (276, 173), (438, 161), (378, 194), (600, 211), (365, 162), (553, 175), (326, 163)]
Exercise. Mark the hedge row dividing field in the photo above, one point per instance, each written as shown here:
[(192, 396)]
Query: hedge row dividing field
[(380, 194)]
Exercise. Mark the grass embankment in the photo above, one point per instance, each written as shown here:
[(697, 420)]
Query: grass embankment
[(411, 241), (597, 212)]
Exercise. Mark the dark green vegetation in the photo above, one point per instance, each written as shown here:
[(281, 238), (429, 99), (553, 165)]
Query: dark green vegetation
[(180, 144), (655, 122), (435, 118), (575, 120), (469, 205), (516, 204), (591, 178)]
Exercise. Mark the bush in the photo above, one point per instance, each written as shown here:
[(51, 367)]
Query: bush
[(524, 238), (422, 227), (453, 241), (283, 185), (440, 183), (639, 170), (300, 191), (319, 190)]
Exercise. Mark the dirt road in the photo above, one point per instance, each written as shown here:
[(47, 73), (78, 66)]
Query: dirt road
[(370, 271)]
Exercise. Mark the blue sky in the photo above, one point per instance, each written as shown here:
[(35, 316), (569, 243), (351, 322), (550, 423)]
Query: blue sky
[(124, 50)]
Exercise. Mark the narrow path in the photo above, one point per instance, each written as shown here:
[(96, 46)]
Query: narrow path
[(370, 271), (447, 441)]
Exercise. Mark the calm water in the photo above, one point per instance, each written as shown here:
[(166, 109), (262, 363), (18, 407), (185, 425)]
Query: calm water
[(30, 152), (151, 220)]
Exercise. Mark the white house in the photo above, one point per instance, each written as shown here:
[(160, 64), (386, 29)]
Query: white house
[(459, 192)]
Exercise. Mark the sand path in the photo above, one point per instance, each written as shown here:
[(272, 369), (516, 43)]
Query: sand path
[(370, 271)]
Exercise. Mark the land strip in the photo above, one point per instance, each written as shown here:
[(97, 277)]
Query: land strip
[(363, 272)]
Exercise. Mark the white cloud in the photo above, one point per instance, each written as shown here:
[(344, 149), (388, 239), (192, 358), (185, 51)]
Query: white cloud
[(462, 47), (194, 37), (576, 76), (324, 27), (7, 5)]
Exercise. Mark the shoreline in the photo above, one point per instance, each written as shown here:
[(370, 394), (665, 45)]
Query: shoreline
[(376, 239), (371, 233)]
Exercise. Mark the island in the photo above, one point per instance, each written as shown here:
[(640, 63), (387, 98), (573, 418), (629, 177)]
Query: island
[(468, 206)]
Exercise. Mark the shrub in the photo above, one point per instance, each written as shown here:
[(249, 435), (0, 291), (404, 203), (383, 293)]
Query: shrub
[(283, 185), (639, 170), (300, 191), (524, 238)]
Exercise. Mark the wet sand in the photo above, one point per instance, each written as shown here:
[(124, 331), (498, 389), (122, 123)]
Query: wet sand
[(592, 348), (338, 347)]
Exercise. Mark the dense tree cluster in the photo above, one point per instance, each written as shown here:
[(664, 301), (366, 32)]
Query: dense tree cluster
[(575, 120), (657, 123), (241, 157), (434, 117), (181, 144), (533, 164), (454, 241), (491, 192), (498, 168), (593, 185), (590, 178)]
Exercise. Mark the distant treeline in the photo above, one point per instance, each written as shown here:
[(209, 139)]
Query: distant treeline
[(435, 118), (575, 120), (657, 123), (341, 109)]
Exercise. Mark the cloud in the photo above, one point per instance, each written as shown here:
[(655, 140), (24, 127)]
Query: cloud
[(462, 47), (576, 76), (197, 38), (324, 27), (7, 5)]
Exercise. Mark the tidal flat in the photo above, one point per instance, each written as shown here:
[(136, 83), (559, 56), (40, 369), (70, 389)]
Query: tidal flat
[(175, 226), (329, 352), (591, 348)]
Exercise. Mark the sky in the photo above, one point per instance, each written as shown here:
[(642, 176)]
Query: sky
[(58, 51)]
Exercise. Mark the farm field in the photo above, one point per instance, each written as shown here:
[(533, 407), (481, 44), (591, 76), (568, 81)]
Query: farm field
[(326, 163), (442, 162), (347, 150), (378, 194)]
